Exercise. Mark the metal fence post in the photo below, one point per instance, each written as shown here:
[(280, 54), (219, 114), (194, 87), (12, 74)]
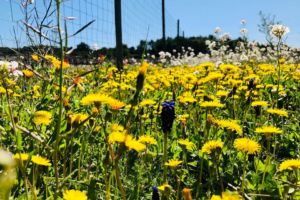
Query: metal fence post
[(178, 28), (118, 27), (163, 23)]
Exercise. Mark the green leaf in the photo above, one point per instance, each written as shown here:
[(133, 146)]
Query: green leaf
[(260, 166), (193, 164)]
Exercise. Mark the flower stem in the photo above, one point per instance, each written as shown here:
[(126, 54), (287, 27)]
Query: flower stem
[(118, 179), (268, 160), (244, 174), (165, 156), (178, 185)]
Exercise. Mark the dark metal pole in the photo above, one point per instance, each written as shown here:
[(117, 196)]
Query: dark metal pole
[(178, 27), (163, 22), (118, 27)]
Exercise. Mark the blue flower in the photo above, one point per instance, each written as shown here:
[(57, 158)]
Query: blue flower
[(167, 115), (251, 84)]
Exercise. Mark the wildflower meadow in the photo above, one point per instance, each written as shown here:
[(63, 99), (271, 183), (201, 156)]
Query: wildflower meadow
[(178, 125)]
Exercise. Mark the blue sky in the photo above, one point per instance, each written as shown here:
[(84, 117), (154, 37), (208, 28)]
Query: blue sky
[(198, 17)]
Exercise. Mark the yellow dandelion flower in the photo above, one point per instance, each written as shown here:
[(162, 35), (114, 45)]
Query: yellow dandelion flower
[(57, 64), (247, 145), (116, 136), (207, 66), (216, 197), (186, 98), (211, 104), (243, 87), (229, 124), (35, 57), (96, 99), (2, 90), (173, 163), (10, 81), (296, 75), (212, 76), (78, 118), (50, 58), (21, 156), (143, 68), (268, 130), (116, 127), (266, 69), (228, 68), (212, 146), (291, 164), (27, 73), (269, 86), (147, 102), (164, 187), (115, 104), (259, 86), (182, 118), (16, 95), (134, 144), (42, 117), (147, 139), (187, 144), (222, 93), (36, 91), (259, 103), (278, 112), (74, 195), (40, 161), (231, 196)]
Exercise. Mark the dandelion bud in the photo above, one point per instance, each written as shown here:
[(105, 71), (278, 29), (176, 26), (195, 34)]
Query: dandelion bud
[(69, 121), (257, 110), (141, 77), (66, 103), (210, 118), (91, 122), (155, 194), (95, 110), (167, 115), (187, 194)]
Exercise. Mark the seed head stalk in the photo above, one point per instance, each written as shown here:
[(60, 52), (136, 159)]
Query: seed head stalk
[(279, 66), (58, 125)]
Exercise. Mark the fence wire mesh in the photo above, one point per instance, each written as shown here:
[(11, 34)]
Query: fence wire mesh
[(141, 20)]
